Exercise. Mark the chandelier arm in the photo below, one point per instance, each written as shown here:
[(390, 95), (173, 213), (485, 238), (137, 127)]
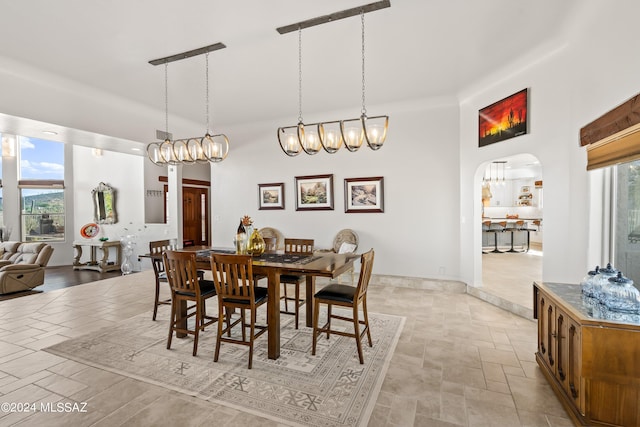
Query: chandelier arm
[(206, 59), (300, 76), (364, 109)]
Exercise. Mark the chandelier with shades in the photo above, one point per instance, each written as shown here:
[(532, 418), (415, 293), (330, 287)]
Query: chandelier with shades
[(331, 135), (207, 149)]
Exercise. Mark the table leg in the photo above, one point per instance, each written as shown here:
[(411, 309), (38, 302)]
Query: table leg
[(310, 291), (273, 314)]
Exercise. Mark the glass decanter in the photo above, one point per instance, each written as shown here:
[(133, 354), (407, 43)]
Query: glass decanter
[(601, 281), (620, 295), (586, 285)]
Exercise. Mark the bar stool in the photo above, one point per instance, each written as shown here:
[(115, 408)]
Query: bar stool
[(517, 226), (498, 227), (486, 228)]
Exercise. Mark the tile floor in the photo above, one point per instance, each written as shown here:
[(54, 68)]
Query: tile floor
[(460, 362)]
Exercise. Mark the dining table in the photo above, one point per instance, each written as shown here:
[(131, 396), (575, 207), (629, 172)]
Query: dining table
[(273, 265)]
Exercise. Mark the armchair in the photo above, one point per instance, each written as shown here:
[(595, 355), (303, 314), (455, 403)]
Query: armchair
[(23, 269)]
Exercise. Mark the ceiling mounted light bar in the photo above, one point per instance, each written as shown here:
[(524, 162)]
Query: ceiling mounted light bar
[(188, 54), (334, 16)]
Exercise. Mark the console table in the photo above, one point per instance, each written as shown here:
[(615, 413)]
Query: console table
[(103, 264), (589, 356)]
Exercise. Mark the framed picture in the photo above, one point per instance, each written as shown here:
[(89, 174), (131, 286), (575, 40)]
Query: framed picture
[(364, 194), (504, 119), (314, 192), (271, 196)]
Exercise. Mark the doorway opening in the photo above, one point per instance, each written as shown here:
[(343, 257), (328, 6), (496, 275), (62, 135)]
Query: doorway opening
[(512, 227), (195, 212)]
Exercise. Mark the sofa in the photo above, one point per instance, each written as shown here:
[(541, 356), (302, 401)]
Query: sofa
[(22, 265)]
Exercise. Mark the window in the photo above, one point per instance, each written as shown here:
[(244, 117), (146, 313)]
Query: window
[(627, 220), (41, 189)]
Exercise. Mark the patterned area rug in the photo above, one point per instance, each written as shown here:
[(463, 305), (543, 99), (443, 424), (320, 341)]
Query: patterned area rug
[(329, 389)]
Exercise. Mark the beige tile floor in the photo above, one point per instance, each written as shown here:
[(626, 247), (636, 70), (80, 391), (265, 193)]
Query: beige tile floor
[(459, 362), (510, 275)]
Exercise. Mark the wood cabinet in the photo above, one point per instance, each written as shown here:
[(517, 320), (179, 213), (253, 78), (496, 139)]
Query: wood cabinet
[(591, 363)]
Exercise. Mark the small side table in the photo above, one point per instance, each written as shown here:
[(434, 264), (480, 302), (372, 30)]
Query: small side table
[(103, 264)]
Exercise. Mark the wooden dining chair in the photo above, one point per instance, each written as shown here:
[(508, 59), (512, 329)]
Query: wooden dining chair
[(234, 283), (187, 287), (346, 296), (295, 247), (156, 249)]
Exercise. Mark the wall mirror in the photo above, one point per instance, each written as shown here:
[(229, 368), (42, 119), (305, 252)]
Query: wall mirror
[(104, 204)]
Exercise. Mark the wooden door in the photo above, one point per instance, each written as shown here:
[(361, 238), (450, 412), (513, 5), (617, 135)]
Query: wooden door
[(195, 216)]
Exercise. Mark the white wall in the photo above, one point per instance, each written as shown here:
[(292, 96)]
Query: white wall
[(125, 173), (590, 72), (418, 233)]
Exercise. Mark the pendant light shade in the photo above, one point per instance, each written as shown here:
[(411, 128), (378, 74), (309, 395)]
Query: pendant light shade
[(330, 136), (375, 130), (289, 138)]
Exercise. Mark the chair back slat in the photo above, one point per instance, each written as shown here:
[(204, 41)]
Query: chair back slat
[(156, 248), (365, 272), (181, 271), (233, 276), (298, 246)]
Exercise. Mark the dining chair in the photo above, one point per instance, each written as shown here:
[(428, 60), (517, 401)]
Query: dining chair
[(295, 247), (234, 283), (346, 296), (156, 249), (187, 287)]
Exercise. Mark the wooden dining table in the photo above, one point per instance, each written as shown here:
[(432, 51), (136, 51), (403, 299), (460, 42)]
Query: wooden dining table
[(320, 264)]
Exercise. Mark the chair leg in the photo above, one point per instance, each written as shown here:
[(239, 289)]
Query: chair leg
[(157, 300), (286, 298), (297, 302), (197, 328), (316, 316), (172, 320), (356, 330), (251, 336), (221, 314), (243, 323), (328, 320), (366, 320)]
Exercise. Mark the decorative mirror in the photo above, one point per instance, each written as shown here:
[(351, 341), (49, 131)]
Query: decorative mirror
[(104, 204)]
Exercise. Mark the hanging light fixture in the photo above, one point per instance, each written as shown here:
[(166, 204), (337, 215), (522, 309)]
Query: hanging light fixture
[(210, 148), (331, 135), (373, 130), (294, 139)]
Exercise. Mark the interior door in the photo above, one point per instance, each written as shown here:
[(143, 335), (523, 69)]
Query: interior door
[(195, 216)]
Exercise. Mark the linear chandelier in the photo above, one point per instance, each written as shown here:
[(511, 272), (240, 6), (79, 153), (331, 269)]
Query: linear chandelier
[(207, 149), (331, 135)]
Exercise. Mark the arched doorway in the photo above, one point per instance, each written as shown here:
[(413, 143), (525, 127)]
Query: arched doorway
[(512, 213)]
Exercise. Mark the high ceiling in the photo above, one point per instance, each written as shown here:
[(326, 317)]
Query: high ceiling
[(415, 49)]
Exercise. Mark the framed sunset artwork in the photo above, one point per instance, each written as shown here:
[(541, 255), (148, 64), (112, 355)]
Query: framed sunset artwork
[(504, 119)]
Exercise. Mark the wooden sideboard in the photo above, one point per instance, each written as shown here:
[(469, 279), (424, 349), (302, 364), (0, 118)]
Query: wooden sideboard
[(105, 263), (590, 356)]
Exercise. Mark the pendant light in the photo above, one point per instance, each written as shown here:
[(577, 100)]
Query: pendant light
[(373, 130), (294, 139), (210, 148)]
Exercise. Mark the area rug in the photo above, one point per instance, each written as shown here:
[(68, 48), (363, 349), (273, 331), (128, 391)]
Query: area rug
[(329, 389)]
